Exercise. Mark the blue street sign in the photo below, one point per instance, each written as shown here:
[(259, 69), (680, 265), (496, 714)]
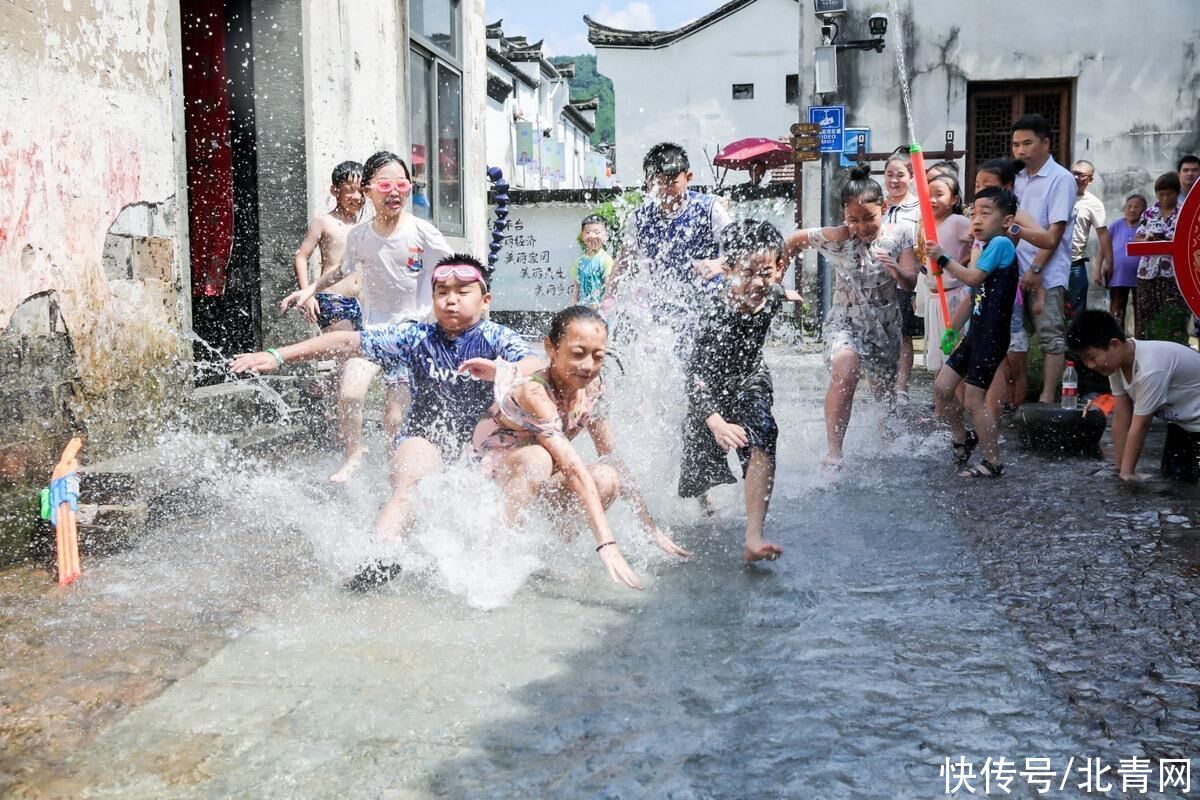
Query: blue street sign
[(850, 151), (832, 120)]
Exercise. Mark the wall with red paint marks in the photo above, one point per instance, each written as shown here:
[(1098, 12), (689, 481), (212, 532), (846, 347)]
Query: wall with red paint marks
[(89, 130)]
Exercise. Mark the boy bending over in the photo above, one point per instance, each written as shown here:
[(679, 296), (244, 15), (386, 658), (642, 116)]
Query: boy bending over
[(1147, 378)]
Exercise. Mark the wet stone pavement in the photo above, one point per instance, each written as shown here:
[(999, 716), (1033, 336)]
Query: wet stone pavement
[(913, 618)]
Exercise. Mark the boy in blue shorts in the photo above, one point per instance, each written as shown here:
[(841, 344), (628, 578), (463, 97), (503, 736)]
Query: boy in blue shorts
[(449, 363), (979, 355)]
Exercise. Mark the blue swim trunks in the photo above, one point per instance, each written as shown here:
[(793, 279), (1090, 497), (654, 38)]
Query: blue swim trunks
[(333, 308)]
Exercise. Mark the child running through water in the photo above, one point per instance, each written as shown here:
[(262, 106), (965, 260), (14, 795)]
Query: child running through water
[(862, 328), (592, 269), (526, 442), (395, 252), (980, 354), (729, 386)]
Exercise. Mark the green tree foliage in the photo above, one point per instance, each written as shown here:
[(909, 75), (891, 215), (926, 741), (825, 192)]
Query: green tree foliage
[(586, 84)]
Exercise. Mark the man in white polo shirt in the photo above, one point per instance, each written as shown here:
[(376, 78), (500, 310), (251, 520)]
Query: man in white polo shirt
[(1046, 191)]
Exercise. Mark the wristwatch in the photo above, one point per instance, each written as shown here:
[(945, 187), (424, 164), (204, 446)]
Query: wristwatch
[(1014, 230), (943, 260), (1035, 269)]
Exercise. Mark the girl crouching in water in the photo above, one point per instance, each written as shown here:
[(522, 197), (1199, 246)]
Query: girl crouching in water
[(863, 326), (526, 443)]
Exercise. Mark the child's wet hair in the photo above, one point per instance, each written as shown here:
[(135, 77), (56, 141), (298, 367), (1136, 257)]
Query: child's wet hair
[(1005, 169), (570, 315), (346, 171), (745, 237), (593, 219), (902, 158), (378, 161), (951, 183), (861, 187), (943, 168), (1002, 199), (665, 158)]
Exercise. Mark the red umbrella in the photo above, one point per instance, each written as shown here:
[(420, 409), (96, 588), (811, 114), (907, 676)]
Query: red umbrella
[(741, 154)]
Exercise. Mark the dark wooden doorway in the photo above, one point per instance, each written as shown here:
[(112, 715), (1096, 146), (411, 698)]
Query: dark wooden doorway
[(993, 106), (218, 63)]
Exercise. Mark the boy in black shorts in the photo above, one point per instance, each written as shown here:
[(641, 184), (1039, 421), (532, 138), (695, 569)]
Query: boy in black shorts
[(994, 276), (729, 386)]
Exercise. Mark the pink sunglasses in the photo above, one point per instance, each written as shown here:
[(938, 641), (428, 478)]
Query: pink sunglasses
[(464, 272), (385, 186)]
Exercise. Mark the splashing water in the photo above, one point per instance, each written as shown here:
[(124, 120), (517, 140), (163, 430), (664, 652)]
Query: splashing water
[(902, 68)]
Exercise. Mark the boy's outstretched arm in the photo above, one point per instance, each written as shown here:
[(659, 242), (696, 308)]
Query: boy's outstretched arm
[(340, 344)]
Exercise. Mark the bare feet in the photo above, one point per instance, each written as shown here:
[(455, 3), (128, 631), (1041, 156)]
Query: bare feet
[(831, 471), (349, 467), (758, 550)]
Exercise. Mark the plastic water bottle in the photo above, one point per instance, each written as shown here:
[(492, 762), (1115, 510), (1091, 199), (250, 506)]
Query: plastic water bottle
[(1070, 387)]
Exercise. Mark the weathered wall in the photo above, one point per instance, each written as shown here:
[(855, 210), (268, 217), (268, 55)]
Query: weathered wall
[(475, 209), (89, 130), (1134, 112), (279, 128)]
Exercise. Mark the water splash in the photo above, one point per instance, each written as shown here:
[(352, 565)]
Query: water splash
[(902, 67)]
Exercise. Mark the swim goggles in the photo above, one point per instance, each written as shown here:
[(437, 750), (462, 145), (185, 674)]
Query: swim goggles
[(464, 272), (385, 186)]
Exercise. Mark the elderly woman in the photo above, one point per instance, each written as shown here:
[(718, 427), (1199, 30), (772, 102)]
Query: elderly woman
[(1159, 310)]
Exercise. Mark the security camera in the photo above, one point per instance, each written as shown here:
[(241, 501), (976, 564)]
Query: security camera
[(877, 23)]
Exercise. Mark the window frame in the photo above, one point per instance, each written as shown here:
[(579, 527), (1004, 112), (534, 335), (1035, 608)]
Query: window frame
[(438, 59)]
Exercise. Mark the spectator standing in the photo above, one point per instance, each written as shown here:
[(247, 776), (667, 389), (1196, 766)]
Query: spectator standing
[(1122, 277), (1159, 309), (1046, 191), (1089, 216), (1189, 170)]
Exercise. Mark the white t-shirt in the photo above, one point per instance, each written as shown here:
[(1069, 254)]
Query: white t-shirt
[(1089, 213), (1166, 381), (1048, 197), (396, 270)]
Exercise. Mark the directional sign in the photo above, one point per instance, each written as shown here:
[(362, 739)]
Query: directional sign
[(805, 129), (832, 120), (850, 151)]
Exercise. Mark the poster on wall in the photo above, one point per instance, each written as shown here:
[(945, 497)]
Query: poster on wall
[(553, 155), (527, 155), (597, 171)]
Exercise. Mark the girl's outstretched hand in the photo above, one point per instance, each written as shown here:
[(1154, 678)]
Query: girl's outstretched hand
[(666, 544), (253, 362), (618, 568), (483, 369)]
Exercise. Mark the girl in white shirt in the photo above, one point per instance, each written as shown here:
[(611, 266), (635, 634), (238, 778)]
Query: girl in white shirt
[(396, 252)]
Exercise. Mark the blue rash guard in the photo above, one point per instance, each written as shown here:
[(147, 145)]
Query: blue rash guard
[(446, 404)]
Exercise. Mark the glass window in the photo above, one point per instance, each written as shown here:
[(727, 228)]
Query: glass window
[(743, 91), (435, 22), (449, 107), (419, 162), (435, 103)]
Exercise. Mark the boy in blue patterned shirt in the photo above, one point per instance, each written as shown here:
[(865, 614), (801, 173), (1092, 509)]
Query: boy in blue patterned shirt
[(592, 270)]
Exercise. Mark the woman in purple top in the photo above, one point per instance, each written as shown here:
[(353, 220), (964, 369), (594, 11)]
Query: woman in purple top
[(1122, 283)]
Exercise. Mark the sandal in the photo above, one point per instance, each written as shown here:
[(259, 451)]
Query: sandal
[(984, 469), (963, 449)]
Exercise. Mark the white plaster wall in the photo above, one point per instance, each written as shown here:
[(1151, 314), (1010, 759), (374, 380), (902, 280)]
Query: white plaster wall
[(682, 93), (355, 86), (89, 127)]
